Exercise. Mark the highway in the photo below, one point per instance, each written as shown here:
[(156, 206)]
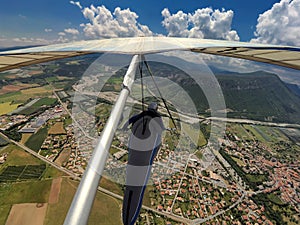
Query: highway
[(254, 122)]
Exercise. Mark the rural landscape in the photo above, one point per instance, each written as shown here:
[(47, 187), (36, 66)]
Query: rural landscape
[(51, 116)]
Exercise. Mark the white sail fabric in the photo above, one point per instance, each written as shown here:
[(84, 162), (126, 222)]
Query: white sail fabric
[(287, 56)]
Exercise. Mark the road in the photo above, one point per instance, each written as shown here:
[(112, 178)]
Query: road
[(163, 213), (198, 221), (73, 119), (169, 215), (40, 157), (254, 122), (173, 217)]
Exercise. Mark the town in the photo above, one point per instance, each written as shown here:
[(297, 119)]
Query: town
[(253, 178)]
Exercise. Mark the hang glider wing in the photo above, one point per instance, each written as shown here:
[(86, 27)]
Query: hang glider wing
[(286, 56)]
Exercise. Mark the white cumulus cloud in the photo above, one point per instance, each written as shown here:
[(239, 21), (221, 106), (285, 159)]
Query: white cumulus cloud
[(203, 23), (280, 24), (72, 31), (47, 30), (120, 23), (176, 24)]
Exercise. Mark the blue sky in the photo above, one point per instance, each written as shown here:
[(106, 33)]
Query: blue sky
[(53, 21)]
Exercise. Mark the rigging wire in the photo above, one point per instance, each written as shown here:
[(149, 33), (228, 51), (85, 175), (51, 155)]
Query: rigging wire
[(164, 101), (142, 84), (142, 87)]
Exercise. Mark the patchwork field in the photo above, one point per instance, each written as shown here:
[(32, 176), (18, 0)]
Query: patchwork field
[(35, 105), (23, 96), (18, 200), (30, 191), (17, 87)]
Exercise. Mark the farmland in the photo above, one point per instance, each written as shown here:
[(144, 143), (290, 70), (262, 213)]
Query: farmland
[(10, 101), (17, 157), (196, 135), (36, 106), (25, 192), (28, 189), (18, 173), (37, 90), (57, 128), (25, 138), (3, 141), (15, 87), (106, 210), (35, 141), (7, 107), (27, 213)]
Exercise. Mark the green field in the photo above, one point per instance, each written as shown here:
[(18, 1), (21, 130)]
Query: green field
[(25, 192), (18, 173), (36, 106), (239, 131), (10, 97), (110, 185), (196, 136), (238, 161), (52, 172), (258, 135), (25, 137), (17, 157), (37, 90), (199, 154), (51, 79), (4, 212), (3, 141), (36, 140)]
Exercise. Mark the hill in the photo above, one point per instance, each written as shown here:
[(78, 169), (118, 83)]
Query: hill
[(294, 88), (258, 95)]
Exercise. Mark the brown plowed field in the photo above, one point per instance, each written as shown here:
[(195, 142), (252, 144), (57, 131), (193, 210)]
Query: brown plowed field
[(27, 214)]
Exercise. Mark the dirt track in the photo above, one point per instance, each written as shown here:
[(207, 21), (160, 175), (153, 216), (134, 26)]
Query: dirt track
[(55, 190)]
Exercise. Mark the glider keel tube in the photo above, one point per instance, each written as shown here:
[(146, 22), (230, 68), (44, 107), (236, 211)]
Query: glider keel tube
[(83, 200)]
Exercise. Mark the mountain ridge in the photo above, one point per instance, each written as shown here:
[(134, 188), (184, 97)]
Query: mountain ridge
[(258, 95)]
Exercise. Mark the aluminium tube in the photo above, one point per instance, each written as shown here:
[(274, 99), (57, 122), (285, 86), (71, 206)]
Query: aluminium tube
[(80, 208)]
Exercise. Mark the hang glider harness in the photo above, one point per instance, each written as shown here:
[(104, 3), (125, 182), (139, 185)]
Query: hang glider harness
[(143, 61), (134, 192)]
